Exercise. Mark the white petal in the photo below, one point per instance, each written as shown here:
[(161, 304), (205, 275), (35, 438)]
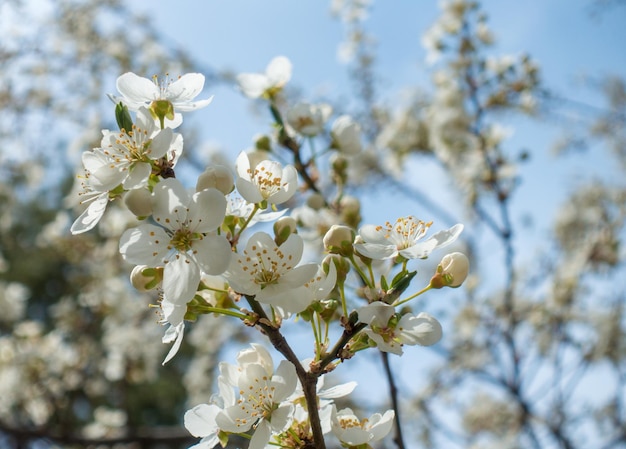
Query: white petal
[(200, 420), (293, 246), (193, 105), (376, 251), (282, 417), (381, 426), (248, 191), (186, 88), (377, 313), (252, 84), (338, 391), (91, 216), (137, 89), (279, 71), (181, 277), (173, 313), (374, 234), (285, 380), (261, 436), (161, 143), (138, 176), (207, 210), (144, 245), (422, 329), (178, 332), (170, 203), (213, 254)]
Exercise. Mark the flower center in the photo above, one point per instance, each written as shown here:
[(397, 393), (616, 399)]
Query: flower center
[(405, 231), (182, 240), (267, 178)]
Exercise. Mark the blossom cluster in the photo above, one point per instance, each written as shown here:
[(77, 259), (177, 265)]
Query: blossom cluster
[(195, 249)]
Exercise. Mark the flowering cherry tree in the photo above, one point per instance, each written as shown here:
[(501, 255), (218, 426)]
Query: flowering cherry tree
[(183, 236)]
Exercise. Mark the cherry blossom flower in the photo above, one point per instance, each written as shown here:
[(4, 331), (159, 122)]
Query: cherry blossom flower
[(354, 432), (403, 239), (262, 402), (269, 272), (308, 119), (268, 84), (182, 241), (138, 91), (390, 333), (129, 154), (267, 181), (164, 98)]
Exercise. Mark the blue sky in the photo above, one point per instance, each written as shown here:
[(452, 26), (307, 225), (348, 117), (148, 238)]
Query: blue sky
[(561, 35)]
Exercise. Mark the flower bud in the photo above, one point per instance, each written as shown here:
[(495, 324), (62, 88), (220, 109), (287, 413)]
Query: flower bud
[(139, 202), (144, 278), (350, 208), (346, 135), (217, 177), (338, 240), (451, 271), (283, 228), (263, 142), (339, 165), (315, 201)]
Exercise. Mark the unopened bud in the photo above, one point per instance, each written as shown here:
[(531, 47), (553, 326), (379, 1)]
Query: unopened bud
[(338, 240), (346, 135), (216, 177), (451, 271), (283, 228), (139, 202), (339, 165), (263, 142), (350, 210), (315, 201), (145, 278)]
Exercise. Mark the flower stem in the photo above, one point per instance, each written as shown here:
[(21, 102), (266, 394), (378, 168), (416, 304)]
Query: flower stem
[(424, 290)]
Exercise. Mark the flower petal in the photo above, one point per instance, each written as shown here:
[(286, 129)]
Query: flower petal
[(136, 89), (91, 216), (200, 420), (181, 277)]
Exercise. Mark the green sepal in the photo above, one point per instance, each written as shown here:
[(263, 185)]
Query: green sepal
[(399, 284), (122, 116)]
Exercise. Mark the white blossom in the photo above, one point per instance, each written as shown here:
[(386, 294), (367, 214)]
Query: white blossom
[(267, 181), (352, 431), (256, 85), (182, 242), (308, 119), (403, 238), (269, 272)]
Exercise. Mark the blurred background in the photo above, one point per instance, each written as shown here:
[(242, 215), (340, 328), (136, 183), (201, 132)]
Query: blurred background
[(506, 116)]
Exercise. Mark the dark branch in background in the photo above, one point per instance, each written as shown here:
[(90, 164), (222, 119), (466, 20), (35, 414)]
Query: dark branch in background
[(144, 436), (393, 393)]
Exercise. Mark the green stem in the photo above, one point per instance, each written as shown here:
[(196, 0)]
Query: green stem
[(424, 290), (221, 311)]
